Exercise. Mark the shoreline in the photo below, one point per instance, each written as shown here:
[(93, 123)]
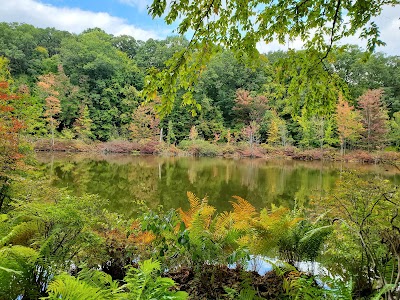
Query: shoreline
[(238, 151)]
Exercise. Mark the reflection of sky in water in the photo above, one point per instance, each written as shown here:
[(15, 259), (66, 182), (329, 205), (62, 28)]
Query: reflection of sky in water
[(263, 265), (126, 179)]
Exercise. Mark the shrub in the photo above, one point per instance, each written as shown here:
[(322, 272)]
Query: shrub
[(199, 147)]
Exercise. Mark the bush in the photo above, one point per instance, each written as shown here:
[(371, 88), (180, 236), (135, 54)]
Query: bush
[(199, 148)]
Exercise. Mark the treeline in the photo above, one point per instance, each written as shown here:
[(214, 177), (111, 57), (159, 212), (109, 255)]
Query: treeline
[(88, 86)]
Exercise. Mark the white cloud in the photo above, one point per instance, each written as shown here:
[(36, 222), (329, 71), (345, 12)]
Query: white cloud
[(139, 4), (388, 23), (70, 19)]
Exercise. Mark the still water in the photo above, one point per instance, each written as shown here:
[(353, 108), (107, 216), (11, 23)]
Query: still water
[(126, 179)]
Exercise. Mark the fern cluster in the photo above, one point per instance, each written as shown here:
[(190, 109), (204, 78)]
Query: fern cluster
[(139, 284)]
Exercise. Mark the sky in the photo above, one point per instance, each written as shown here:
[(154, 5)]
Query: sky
[(130, 17)]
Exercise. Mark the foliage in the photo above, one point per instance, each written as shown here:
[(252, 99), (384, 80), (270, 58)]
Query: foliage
[(374, 119), (240, 27), (10, 126), (140, 284), (199, 147), (143, 284), (348, 123), (368, 212), (144, 125), (17, 267)]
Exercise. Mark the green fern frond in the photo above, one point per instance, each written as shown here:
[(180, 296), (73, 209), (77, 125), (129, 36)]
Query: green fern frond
[(67, 287), (149, 266), (143, 284), (98, 279), (319, 232), (21, 234), (382, 291)]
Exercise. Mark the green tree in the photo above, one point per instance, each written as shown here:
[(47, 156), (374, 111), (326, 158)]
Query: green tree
[(170, 134), (83, 124), (104, 75), (394, 134), (240, 27)]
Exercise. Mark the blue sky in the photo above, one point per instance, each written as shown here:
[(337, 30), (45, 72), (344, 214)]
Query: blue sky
[(133, 11), (130, 17)]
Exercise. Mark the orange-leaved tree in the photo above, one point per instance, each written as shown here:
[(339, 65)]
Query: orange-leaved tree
[(348, 122), (47, 86)]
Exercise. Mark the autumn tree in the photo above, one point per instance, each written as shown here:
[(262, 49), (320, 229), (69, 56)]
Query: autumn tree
[(277, 130), (348, 123), (10, 126), (248, 107), (193, 134), (47, 88), (250, 132), (144, 125), (374, 118)]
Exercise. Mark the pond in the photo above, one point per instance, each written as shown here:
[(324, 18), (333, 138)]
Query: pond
[(126, 179)]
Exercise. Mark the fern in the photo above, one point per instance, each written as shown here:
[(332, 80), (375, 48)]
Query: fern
[(21, 234), (16, 270), (67, 287), (143, 284), (243, 213), (383, 291)]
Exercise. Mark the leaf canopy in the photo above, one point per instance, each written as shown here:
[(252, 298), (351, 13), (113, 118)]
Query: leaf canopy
[(239, 25)]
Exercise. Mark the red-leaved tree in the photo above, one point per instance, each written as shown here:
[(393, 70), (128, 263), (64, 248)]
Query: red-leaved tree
[(10, 126), (374, 118)]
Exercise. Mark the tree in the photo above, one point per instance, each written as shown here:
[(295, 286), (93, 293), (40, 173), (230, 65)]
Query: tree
[(250, 108), (144, 125), (348, 123), (239, 26), (170, 134), (47, 85), (10, 126), (193, 134), (83, 124), (394, 134), (374, 118), (251, 133)]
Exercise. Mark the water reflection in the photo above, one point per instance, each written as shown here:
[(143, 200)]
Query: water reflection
[(124, 179)]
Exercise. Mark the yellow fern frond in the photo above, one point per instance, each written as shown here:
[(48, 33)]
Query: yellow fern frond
[(222, 223), (243, 213), (143, 238), (186, 217), (294, 221), (273, 218), (194, 201), (197, 206), (242, 207), (135, 225)]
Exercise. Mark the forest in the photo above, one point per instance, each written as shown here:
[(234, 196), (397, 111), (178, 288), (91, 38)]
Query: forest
[(89, 87), (90, 92)]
